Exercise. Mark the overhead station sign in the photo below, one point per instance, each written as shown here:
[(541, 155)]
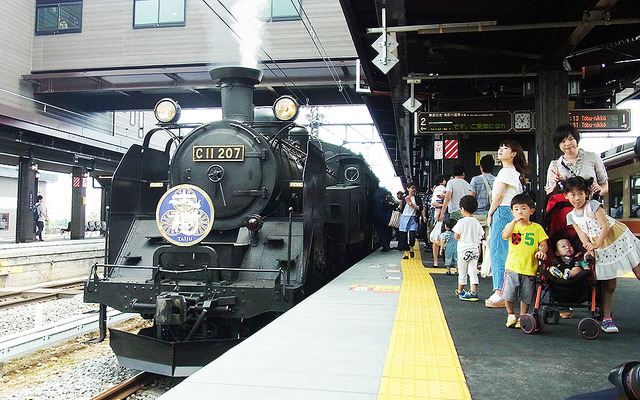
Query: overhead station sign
[(600, 120), (502, 121), (468, 121)]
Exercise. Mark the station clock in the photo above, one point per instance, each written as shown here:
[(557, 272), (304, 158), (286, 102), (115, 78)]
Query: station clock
[(522, 120)]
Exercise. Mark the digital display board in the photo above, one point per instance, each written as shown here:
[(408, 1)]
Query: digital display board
[(463, 121), (600, 120)]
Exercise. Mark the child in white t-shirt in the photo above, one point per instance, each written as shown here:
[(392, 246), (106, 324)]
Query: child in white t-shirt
[(469, 233)]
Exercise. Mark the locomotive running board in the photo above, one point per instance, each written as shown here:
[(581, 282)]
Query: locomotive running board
[(179, 359)]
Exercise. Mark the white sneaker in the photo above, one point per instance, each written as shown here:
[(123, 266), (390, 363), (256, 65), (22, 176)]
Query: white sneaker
[(495, 297)]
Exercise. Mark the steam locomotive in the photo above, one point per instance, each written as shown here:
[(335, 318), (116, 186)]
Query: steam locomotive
[(225, 228)]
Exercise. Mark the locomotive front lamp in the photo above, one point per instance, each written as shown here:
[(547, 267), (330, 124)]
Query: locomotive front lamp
[(167, 111), (254, 223), (285, 108)]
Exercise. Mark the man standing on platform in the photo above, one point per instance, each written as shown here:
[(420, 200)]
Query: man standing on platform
[(39, 216), (481, 186), (455, 190)]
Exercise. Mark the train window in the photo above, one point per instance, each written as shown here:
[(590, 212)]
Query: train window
[(158, 13), (281, 10), (635, 196), (616, 189), (58, 16)]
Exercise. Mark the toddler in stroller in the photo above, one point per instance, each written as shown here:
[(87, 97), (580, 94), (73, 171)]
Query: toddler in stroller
[(567, 263), (566, 281)]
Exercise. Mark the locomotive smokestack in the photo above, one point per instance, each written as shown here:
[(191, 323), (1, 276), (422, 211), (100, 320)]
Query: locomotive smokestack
[(236, 91)]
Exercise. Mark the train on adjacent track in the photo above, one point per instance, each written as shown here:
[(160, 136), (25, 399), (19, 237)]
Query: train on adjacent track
[(223, 229), (623, 199)]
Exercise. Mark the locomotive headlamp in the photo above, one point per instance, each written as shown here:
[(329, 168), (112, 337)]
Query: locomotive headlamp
[(167, 111), (285, 108), (254, 223)]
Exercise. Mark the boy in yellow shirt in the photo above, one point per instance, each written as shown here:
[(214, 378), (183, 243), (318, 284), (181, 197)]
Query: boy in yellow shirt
[(527, 243)]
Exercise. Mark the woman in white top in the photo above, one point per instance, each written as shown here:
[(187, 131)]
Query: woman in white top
[(437, 200), (507, 184), (575, 162), (411, 208)]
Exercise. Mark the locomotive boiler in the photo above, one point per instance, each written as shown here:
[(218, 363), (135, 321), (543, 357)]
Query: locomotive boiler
[(219, 231)]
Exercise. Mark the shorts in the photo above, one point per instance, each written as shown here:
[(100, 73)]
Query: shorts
[(450, 258), (518, 287)]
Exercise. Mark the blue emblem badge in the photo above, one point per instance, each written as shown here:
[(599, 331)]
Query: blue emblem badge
[(185, 215)]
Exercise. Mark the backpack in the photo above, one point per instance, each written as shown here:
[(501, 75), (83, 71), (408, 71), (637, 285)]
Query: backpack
[(36, 213)]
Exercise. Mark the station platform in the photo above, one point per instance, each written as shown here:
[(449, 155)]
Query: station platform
[(394, 329), (24, 265)]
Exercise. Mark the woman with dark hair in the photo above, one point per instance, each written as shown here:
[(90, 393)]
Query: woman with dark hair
[(508, 183), (575, 162), (410, 207)]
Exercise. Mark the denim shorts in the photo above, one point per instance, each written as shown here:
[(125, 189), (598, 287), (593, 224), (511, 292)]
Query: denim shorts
[(450, 258)]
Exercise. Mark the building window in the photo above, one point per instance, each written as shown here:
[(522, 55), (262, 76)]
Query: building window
[(616, 193), (281, 10), (635, 196), (58, 16), (155, 13)]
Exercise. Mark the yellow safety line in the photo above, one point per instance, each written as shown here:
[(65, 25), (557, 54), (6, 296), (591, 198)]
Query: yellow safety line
[(422, 362)]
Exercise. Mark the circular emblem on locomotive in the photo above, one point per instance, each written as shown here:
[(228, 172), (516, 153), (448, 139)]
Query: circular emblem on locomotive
[(185, 215)]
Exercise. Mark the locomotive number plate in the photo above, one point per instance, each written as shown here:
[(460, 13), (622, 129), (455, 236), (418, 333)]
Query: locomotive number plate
[(218, 153)]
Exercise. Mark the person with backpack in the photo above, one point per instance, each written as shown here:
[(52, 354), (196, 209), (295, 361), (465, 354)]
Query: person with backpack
[(39, 216)]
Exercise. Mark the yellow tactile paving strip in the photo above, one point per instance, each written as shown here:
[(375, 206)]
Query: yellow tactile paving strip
[(422, 362)]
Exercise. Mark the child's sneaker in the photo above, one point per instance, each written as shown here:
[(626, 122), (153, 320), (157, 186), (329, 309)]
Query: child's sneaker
[(567, 274), (512, 320), (555, 271), (460, 292), (608, 326), (517, 325), (469, 296)]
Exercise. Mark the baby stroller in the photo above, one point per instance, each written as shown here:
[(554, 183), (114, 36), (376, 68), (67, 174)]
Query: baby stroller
[(553, 295), (563, 294)]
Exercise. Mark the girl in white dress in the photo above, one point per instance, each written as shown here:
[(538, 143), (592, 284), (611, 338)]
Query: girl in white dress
[(615, 247)]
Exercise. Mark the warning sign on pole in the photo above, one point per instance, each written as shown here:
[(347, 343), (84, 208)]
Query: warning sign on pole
[(451, 148), (438, 150)]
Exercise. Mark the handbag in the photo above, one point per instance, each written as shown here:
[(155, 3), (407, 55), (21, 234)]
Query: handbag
[(434, 236), (485, 269), (394, 222)]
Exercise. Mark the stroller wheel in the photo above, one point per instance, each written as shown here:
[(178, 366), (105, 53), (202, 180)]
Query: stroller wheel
[(589, 328), (528, 323)]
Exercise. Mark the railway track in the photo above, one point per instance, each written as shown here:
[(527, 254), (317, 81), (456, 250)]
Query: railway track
[(49, 292), (128, 387)]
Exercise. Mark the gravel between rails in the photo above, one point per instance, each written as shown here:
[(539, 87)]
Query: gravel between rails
[(73, 370)]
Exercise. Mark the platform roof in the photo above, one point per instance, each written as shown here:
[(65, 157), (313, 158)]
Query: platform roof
[(478, 54)]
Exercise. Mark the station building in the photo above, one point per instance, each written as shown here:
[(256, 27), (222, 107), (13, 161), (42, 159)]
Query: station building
[(77, 77)]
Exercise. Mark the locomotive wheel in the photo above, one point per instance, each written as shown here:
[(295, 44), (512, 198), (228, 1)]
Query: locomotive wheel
[(540, 322), (528, 323), (589, 328)]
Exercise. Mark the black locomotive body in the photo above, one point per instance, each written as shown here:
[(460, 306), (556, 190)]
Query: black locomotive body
[(290, 213)]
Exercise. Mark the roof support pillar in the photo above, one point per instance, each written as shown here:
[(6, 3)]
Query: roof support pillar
[(552, 103), (78, 195), (27, 192)]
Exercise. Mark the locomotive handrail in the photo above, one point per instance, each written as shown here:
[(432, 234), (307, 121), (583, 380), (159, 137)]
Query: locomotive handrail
[(167, 129), (244, 128), (228, 269)]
